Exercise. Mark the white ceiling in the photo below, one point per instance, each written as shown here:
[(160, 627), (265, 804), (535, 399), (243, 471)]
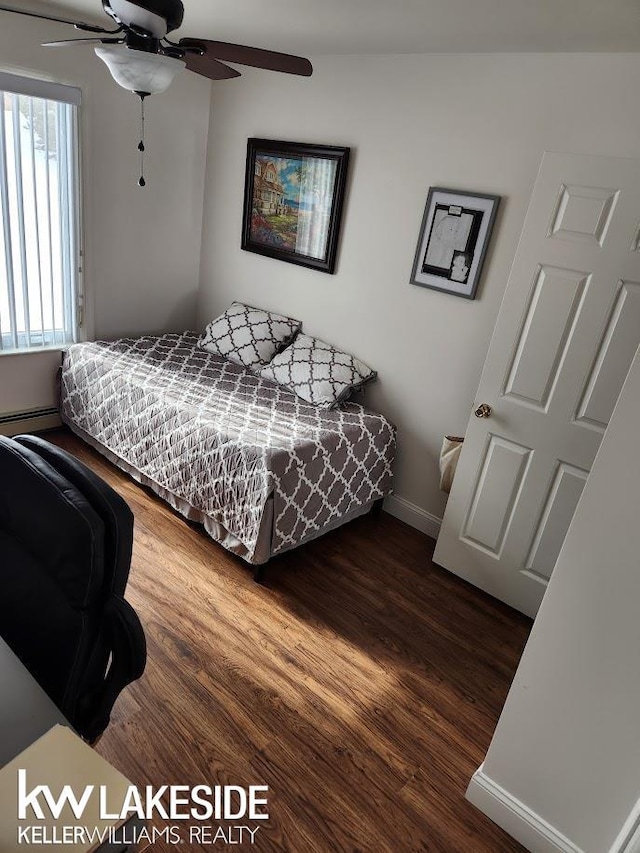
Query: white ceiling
[(318, 27)]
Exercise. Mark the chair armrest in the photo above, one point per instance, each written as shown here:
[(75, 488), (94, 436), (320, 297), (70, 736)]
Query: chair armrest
[(126, 641)]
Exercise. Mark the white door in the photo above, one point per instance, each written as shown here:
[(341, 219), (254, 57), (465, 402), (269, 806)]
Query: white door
[(566, 334)]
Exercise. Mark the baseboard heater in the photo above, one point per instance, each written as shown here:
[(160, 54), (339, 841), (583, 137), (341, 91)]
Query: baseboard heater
[(31, 420)]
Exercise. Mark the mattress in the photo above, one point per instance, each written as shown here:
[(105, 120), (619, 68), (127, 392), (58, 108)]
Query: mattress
[(263, 470)]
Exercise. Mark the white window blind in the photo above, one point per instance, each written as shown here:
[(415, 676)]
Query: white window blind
[(39, 213)]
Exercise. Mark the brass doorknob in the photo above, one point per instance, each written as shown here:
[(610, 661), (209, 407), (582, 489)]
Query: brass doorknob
[(483, 411)]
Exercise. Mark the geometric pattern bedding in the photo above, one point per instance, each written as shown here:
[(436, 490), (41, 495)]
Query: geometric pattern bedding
[(249, 336), (224, 439), (318, 372)]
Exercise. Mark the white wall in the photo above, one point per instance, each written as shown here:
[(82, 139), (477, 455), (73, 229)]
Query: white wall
[(477, 122), (142, 246), (567, 745)]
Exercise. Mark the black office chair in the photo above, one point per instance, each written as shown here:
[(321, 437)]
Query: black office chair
[(65, 552)]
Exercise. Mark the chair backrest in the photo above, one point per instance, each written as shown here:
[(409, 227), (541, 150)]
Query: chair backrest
[(65, 551), (112, 509)]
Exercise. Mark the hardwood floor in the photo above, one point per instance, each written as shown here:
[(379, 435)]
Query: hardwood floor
[(362, 683)]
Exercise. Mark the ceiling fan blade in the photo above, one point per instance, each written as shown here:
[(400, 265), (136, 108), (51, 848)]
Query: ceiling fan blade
[(255, 56), (79, 25), (209, 67), (71, 42)]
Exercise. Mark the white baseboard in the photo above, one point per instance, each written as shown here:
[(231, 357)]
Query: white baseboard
[(516, 818), (413, 515), (36, 420)]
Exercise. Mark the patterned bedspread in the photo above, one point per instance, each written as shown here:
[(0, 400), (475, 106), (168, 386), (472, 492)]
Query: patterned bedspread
[(224, 439)]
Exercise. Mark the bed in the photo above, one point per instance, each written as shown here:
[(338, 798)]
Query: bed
[(260, 468)]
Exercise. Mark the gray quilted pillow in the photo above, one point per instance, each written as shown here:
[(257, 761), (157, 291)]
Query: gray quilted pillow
[(318, 372), (249, 336)]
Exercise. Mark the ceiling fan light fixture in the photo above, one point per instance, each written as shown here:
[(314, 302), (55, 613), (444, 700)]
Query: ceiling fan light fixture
[(139, 71)]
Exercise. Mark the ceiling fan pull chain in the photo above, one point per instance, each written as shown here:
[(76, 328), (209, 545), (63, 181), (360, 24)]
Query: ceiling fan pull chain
[(141, 181)]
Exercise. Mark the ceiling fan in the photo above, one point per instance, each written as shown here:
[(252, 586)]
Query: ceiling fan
[(143, 60)]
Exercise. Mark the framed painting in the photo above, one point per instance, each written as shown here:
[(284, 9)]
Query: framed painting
[(293, 200), (454, 236)]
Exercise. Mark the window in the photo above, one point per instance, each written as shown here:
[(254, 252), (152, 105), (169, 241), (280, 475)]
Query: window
[(39, 214)]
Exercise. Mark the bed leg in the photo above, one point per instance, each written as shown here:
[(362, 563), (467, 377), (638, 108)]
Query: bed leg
[(376, 509), (258, 574)]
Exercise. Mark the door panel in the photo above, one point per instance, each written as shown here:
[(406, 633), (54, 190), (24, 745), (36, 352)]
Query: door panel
[(495, 496), (546, 334), (615, 354), (555, 519), (583, 214), (564, 340)]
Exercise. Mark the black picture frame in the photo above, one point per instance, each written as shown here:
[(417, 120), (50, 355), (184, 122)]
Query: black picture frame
[(293, 201), (453, 241)]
